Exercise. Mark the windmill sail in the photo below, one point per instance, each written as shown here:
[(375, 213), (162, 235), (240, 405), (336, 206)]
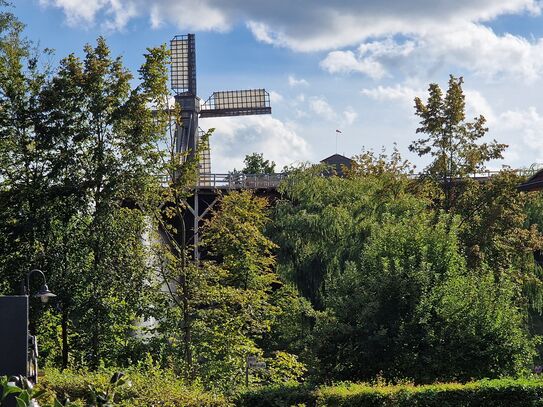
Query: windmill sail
[(237, 103), (183, 71)]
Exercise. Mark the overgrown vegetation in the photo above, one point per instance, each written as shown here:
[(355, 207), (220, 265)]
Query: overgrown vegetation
[(372, 274)]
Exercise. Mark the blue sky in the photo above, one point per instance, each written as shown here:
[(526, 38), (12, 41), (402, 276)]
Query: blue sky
[(347, 64)]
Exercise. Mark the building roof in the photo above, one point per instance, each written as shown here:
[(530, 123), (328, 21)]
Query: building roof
[(338, 161), (534, 183)]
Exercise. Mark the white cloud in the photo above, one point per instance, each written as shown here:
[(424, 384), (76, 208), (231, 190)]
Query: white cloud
[(349, 115), (78, 12), (275, 97), (235, 137), (368, 59), (320, 106), (522, 129), (433, 32), (400, 93), (477, 104), (305, 25), (478, 49), (470, 46), (293, 81), (346, 61)]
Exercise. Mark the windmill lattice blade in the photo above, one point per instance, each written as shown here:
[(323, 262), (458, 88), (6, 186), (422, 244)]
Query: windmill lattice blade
[(237, 103), (183, 75)]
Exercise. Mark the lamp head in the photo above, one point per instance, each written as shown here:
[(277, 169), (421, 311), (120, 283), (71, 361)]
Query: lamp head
[(44, 294)]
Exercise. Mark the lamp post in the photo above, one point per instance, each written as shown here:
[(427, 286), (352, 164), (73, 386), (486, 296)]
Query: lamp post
[(44, 294)]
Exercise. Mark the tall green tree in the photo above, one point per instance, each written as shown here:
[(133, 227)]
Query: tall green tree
[(321, 222), (76, 162), (492, 228), (101, 138), (23, 179), (452, 142)]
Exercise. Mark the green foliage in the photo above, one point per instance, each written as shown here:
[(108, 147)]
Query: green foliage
[(321, 223), (495, 229), (428, 279), (225, 304), (292, 325), (284, 367), (147, 388), (408, 308), (255, 164), (487, 393), (450, 140), (505, 392), (284, 395), (106, 398), (20, 390), (71, 174)]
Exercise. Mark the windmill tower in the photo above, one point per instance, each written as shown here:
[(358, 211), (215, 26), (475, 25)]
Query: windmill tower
[(219, 104)]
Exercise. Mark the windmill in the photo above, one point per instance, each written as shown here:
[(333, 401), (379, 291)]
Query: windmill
[(219, 104)]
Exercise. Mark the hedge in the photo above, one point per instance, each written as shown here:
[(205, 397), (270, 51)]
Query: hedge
[(153, 388), (484, 393), (277, 396), (159, 388)]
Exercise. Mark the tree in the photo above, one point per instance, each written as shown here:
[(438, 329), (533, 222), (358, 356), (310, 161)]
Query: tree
[(255, 164), (391, 276), (22, 178), (408, 308), (451, 140), (226, 298), (492, 228), (320, 222), (75, 164)]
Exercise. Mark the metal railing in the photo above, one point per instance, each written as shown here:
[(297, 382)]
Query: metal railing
[(272, 181), (239, 181), (524, 172)]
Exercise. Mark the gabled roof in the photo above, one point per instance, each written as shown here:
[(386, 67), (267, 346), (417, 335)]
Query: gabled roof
[(535, 183), (337, 159), (337, 162)]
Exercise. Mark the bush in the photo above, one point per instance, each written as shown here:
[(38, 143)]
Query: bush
[(150, 388), (409, 308), (484, 393), (287, 395)]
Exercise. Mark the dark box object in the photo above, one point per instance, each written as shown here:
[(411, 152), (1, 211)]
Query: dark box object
[(13, 335)]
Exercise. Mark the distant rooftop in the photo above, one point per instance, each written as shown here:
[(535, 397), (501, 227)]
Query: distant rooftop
[(534, 183), (338, 162)]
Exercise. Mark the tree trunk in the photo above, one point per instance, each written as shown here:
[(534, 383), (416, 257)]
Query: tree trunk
[(65, 348)]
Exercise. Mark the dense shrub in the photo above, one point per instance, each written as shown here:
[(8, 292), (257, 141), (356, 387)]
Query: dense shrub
[(153, 388), (409, 308), (292, 394), (484, 393)]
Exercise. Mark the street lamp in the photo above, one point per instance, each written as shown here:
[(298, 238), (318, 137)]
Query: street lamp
[(43, 293)]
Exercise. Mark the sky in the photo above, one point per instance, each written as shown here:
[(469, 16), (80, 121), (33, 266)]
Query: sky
[(348, 65)]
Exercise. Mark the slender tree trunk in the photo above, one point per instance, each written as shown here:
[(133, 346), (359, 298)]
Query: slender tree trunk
[(65, 346), (187, 329)]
